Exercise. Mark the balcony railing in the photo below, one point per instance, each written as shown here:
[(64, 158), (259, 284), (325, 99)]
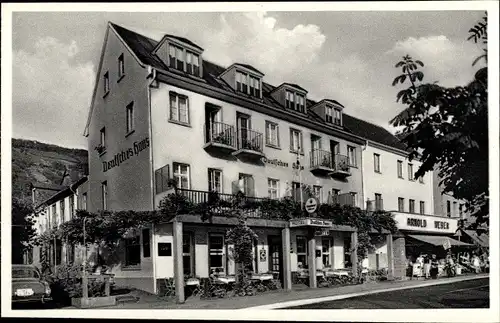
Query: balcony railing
[(344, 199), (375, 205), (219, 134), (321, 160), (341, 165), (250, 142)]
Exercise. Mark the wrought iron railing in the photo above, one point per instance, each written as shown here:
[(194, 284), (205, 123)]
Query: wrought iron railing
[(221, 133), (344, 199), (321, 158), (341, 163), (250, 140)]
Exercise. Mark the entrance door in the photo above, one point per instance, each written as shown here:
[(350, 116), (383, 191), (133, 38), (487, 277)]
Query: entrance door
[(275, 256)]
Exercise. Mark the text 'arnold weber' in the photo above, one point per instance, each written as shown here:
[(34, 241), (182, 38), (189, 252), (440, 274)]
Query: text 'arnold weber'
[(125, 155)]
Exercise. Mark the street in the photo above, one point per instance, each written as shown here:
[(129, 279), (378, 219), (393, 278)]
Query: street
[(464, 294)]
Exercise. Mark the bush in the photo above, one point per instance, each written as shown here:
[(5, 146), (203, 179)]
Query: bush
[(67, 283)]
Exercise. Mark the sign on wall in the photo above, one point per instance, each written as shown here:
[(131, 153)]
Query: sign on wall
[(124, 155), (311, 223), (311, 205), (280, 163), (425, 223)]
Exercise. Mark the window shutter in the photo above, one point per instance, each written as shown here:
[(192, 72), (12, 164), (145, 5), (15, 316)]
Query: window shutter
[(291, 140), (165, 176), (158, 181)]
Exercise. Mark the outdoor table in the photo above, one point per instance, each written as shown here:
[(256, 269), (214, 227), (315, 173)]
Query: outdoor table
[(262, 277), (225, 280)]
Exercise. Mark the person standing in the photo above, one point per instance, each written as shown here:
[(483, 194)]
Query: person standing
[(476, 263), (427, 266), (434, 267)]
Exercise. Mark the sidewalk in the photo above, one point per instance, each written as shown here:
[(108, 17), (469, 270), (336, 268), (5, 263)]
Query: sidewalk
[(266, 300)]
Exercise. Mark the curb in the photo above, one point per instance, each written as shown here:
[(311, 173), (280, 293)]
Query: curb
[(351, 295)]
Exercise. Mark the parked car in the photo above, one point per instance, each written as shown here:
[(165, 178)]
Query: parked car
[(28, 286)]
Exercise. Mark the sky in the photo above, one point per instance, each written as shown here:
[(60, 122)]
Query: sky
[(346, 56)]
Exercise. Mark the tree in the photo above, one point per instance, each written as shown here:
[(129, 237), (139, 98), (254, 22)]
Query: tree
[(447, 129), (23, 231)]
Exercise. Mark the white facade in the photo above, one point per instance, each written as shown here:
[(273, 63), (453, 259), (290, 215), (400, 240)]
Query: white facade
[(391, 186)]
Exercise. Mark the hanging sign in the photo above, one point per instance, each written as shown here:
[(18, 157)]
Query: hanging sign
[(322, 232), (309, 222), (446, 244), (311, 205)]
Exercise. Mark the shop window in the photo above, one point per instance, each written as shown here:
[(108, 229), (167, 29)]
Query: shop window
[(132, 251), (301, 251), (216, 253), (188, 254), (146, 243)]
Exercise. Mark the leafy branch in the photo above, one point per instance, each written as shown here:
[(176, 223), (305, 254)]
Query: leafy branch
[(480, 33)]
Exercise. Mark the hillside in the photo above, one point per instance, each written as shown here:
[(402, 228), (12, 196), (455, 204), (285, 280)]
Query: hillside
[(36, 162)]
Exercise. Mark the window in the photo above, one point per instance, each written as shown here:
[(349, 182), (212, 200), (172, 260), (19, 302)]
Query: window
[(318, 193), (146, 243), (246, 184), (254, 87), (296, 141), (412, 206), (301, 103), (182, 175), (241, 82), (171, 56), (400, 169), (272, 134), (71, 206), (410, 172), (179, 58), (162, 176), (179, 109), (273, 187), (316, 145), (63, 213), (215, 180), (401, 204), (54, 215), (289, 100), (192, 64), (130, 117), (188, 254), (455, 209), (329, 114), (376, 163), (461, 210), (421, 179), (337, 117), (354, 196), (448, 209), (296, 192), (216, 253), (132, 251), (351, 156), (106, 83), (378, 202), (103, 138), (422, 207), (121, 67), (84, 201), (104, 194), (347, 252), (301, 251)]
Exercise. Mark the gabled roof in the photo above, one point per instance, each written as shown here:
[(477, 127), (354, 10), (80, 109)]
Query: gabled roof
[(65, 191), (143, 46), (250, 67), (295, 86), (47, 186), (184, 40)]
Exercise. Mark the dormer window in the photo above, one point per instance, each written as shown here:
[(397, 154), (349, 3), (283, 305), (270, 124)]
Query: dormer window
[(254, 87), (176, 55), (192, 64), (301, 101), (289, 100), (295, 101), (329, 114), (337, 117), (241, 82)]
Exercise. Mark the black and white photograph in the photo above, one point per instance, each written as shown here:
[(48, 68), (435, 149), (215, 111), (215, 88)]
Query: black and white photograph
[(162, 159)]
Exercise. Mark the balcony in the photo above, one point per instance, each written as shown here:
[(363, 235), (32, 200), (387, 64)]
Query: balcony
[(344, 199), (376, 205), (250, 144), (220, 136), (222, 202), (341, 166), (321, 162)]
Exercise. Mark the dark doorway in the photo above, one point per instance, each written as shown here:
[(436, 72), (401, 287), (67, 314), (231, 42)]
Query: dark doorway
[(275, 256)]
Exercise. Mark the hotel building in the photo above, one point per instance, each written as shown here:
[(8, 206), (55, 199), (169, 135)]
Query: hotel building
[(160, 111)]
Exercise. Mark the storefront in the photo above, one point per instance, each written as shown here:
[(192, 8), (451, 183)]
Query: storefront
[(422, 236)]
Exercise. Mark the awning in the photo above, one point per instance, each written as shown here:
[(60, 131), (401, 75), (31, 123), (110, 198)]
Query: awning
[(439, 240), (482, 240)]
